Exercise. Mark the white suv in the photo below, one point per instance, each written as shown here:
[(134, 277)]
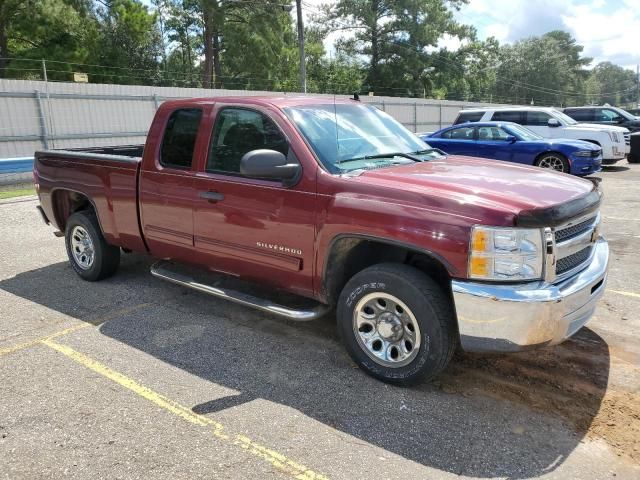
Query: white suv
[(551, 123)]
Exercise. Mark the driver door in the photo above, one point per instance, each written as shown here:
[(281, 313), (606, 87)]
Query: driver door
[(253, 228)]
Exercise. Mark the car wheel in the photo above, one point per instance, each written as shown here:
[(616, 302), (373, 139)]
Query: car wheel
[(90, 255), (554, 161), (396, 323)]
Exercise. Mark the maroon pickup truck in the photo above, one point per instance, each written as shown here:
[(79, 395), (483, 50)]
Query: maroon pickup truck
[(340, 207)]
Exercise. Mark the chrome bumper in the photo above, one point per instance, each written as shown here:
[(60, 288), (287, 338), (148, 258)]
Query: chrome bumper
[(509, 318)]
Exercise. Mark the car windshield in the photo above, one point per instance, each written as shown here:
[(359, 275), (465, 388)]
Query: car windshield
[(522, 133), (563, 117), (348, 137)]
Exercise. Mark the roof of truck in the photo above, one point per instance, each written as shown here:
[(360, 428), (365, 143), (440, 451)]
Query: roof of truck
[(276, 101)]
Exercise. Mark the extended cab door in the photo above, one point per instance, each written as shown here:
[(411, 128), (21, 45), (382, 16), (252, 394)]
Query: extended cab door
[(254, 228), (166, 186)]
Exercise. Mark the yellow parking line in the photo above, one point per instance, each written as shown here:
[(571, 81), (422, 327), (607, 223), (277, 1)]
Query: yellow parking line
[(626, 294), (31, 343), (276, 459)]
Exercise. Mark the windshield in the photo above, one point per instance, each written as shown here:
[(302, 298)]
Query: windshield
[(522, 133), (563, 117), (346, 137)]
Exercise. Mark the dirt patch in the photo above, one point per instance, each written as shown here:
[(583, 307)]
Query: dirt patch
[(570, 381)]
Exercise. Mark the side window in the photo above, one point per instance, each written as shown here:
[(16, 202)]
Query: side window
[(179, 138), (464, 133), (606, 115), (582, 114), (464, 117), (238, 131), (506, 116), (537, 119), (492, 134)]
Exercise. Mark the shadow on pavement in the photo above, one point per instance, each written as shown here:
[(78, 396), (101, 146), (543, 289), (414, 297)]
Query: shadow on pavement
[(481, 418)]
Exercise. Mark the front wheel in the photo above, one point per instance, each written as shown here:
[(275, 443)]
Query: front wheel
[(396, 323), (90, 255), (554, 161)]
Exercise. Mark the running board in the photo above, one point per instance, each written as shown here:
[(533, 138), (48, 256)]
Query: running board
[(163, 271)]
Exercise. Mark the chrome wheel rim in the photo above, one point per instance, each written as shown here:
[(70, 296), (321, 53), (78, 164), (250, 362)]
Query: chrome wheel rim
[(552, 162), (386, 330), (82, 247)]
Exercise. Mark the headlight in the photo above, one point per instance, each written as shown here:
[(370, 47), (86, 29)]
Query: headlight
[(505, 253), (583, 153)]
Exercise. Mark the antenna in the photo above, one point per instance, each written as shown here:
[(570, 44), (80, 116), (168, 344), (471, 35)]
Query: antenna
[(335, 119)]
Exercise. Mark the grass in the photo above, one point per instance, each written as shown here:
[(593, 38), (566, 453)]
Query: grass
[(16, 193)]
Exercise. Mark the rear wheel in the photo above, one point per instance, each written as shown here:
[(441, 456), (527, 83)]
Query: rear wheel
[(553, 161), (90, 255), (396, 323)]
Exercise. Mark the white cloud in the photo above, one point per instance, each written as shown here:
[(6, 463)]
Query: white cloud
[(608, 29)]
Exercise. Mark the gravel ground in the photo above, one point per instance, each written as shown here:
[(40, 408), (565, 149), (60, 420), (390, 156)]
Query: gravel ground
[(135, 378)]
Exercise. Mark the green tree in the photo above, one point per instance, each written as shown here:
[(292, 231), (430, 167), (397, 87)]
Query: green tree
[(129, 41), (549, 70), (612, 84), (396, 37)]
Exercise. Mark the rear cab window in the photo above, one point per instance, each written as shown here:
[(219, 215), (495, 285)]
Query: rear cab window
[(179, 140), (464, 117)]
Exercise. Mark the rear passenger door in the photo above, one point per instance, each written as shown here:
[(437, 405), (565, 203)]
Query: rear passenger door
[(166, 187)]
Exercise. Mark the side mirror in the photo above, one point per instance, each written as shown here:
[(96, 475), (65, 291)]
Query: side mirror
[(269, 164), (511, 139), (553, 123)]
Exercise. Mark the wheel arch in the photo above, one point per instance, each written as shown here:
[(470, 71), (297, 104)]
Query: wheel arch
[(349, 254), (65, 202)]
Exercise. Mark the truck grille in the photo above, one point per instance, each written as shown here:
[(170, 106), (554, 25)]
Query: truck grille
[(573, 230), (572, 261), (627, 138), (574, 244)]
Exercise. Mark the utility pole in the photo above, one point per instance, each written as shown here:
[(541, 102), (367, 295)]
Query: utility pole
[(303, 67)]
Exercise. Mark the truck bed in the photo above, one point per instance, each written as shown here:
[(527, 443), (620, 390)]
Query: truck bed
[(106, 176)]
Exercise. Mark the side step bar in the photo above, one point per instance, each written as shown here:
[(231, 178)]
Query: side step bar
[(161, 270)]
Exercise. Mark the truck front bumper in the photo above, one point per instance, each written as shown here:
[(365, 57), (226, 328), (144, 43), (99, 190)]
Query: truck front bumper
[(510, 318)]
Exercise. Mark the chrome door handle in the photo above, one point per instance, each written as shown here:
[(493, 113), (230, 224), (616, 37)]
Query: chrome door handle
[(211, 196)]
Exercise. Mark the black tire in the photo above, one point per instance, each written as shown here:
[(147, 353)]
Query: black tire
[(550, 156), (428, 304), (106, 258)]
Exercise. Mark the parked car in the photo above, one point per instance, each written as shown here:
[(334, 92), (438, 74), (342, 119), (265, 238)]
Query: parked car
[(551, 123), (514, 143), (416, 251), (606, 116)]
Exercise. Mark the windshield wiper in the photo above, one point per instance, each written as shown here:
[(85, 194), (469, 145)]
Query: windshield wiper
[(382, 155)]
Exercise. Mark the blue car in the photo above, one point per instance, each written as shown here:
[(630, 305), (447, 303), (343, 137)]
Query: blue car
[(514, 143)]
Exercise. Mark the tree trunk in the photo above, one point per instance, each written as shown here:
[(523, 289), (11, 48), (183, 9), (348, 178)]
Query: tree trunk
[(4, 48), (375, 47), (217, 68), (207, 17)]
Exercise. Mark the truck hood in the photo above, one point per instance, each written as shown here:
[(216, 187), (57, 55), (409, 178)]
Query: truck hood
[(598, 127), (471, 187)]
